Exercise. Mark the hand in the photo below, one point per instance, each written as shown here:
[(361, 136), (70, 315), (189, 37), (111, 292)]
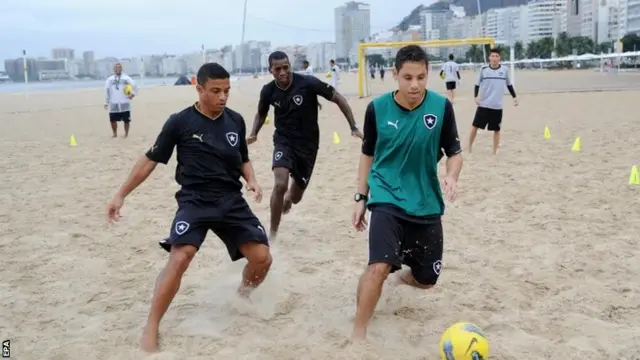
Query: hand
[(251, 139), (357, 218), (357, 133), (113, 209), (449, 188), (515, 101), (106, 106), (477, 100), (257, 190), (131, 96)]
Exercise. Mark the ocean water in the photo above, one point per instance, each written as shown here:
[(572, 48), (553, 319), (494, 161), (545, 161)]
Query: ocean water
[(80, 84)]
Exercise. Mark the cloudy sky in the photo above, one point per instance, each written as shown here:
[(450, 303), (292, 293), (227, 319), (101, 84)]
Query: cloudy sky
[(136, 27)]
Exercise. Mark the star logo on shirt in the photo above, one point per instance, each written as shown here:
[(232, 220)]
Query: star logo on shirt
[(430, 121), (437, 266), (232, 138)]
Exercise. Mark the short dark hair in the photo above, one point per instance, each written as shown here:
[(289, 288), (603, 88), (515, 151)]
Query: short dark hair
[(305, 62), (412, 53), (332, 61), (277, 55), (213, 71), (494, 50), (450, 56)]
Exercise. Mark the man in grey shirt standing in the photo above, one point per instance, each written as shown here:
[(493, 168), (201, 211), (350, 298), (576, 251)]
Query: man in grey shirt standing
[(490, 86)]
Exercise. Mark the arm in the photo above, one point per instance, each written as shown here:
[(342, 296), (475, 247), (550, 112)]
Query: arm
[(368, 149), (450, 142), (160, 152), (107, 95), (512, 91), (476, 89), (263, 111), (329, 92), (247, 167)]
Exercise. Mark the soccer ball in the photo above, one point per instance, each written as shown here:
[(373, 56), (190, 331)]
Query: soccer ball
[(442, 76), (329, 74), (464, 341), (128, 90)]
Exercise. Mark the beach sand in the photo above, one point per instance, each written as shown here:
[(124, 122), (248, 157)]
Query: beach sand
[(541, 246)]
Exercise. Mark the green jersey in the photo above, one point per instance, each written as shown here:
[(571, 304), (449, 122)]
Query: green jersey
[(406, 146)]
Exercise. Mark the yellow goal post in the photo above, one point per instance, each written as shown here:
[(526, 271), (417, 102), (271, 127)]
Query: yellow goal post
[(363, 79)]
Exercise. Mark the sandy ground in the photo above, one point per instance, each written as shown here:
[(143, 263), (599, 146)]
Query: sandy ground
[(541, 246)]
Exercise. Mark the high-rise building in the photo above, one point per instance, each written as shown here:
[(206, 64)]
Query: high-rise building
[(434, 24), (632, 16), (352, 26), (545, 18), (63, 53), (89, 58)]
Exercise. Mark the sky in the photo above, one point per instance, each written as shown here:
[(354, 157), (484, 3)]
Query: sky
[(124, 28)]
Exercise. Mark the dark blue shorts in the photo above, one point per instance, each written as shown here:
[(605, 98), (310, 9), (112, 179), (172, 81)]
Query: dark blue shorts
[(397, 241), (230, 219)]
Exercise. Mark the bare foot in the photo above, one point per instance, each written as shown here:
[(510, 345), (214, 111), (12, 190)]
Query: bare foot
[(359, 335), (286, 206), (244, 292), (125, 136), (114, 136), (149, 340)]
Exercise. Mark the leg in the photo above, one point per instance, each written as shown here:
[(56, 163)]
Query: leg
[(283, 163), (385, 249), (424, 244), (182, 245), (301, 174), (113, 119), (244, 237), (167, 285), (126, 118), (479, 122), (494, 125)]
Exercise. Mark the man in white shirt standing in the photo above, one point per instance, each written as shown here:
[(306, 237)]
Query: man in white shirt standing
[(306, 68), (451, 72), (335, 74), (117, 101)]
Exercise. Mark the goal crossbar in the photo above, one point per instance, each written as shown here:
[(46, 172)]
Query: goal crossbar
[(362, 49)]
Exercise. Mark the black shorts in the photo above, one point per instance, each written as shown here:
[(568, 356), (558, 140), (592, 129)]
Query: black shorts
[(396, 241), (451, 85), (124, 116), (299, 163), (491, 119), (231, 220)]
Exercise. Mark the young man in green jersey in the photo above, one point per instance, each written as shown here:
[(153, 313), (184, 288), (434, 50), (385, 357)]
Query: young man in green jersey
[(406, 133)]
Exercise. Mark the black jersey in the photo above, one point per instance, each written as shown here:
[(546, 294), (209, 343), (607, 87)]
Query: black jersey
[(296, 110), (210, 152)]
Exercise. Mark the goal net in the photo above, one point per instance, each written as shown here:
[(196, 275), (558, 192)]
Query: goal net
[(383, 54)]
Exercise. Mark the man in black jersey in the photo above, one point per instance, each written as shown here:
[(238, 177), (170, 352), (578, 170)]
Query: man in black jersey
[(294, 98), (212, 156)]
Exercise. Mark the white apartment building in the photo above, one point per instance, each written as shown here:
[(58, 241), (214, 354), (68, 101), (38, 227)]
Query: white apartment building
[(633, 16), (507, 25), (608, 29), (545, 18), (352, 25), (434, 25), (319, 55)]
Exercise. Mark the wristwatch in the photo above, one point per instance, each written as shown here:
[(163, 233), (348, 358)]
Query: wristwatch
[(359, 197)]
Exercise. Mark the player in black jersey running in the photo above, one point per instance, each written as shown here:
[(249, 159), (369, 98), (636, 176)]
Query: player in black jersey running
[(212, 155), (294, 98)]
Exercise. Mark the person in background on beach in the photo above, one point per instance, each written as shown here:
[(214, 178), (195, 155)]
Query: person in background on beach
[(296, 139), (306, 68), (488, 93), (212, 157), (405, 133), (116, 101), (451, 74), (335, 74), (382, 73)]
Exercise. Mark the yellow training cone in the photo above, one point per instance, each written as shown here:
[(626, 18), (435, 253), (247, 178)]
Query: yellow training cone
[(547, 133), (634, 177), (72, 141), (576, 145), (336, 138), (266, 121)]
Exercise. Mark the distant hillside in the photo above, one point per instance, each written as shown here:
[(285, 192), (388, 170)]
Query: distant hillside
[(470, 8)]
